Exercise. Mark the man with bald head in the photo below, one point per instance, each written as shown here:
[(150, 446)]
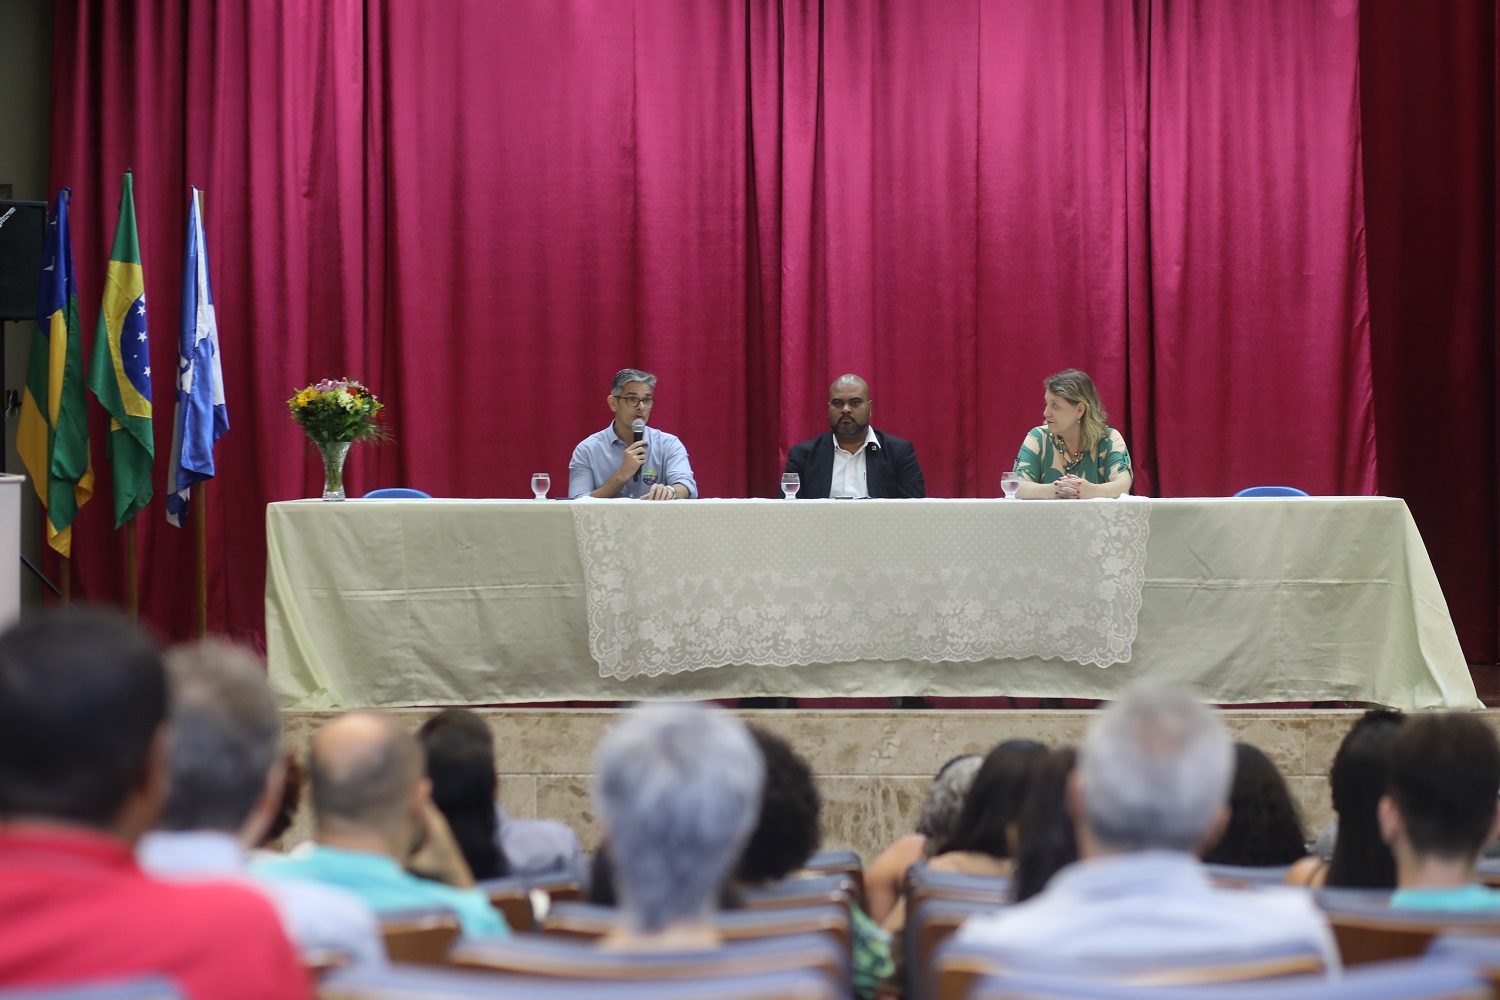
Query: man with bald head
[(855, 460), (373, 813)]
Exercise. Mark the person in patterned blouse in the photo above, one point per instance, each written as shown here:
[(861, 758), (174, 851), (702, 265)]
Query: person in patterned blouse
[(1074, 453)]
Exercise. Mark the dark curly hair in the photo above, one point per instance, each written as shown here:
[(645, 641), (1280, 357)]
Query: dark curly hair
[(994, 800), (1045, 838), (786, 834), (1264, 829), (1361, 859)]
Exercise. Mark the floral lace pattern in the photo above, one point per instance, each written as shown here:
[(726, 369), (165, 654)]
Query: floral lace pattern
[(678, 587)]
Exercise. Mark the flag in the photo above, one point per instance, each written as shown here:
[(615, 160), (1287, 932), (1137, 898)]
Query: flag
[(201, 415), (53, 437), (120, 367)]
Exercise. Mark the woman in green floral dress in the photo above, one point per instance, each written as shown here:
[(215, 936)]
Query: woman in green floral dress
[(1074, 453)]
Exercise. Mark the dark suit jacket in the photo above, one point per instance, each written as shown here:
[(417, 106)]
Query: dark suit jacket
[(891, 470)]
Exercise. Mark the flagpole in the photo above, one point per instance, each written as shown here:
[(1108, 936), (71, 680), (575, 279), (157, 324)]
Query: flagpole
[(200, 518), (132, 574)]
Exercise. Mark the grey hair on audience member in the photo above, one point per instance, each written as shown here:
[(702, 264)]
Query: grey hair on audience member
[(625, 376), (225, 736), (945, 799), (1154, 770), (679, 788)]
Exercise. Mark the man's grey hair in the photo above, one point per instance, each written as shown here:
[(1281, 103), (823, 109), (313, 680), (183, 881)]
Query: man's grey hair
[(225, 736), (679, 788), (625, 376), (945, 799), (1154, 770)]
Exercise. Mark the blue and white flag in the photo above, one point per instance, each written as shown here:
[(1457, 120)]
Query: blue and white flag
[(201, 416)]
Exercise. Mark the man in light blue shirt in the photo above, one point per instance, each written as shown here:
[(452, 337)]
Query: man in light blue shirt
[(612, 463), (1440, 810), (227, 770), (372, 808), (1150, 794)]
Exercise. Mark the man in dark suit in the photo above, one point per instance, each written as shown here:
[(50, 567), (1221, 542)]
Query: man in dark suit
[(855, 460)]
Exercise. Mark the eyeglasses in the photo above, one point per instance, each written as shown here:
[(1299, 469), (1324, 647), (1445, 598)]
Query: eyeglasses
[(646, 401)]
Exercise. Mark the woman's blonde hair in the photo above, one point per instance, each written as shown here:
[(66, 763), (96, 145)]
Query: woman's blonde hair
[(1076, 387)]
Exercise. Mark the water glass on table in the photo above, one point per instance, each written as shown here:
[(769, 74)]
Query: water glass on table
[(1010, 482), (540, 484), (790, 484)]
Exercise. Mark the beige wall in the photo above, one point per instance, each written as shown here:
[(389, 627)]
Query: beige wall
[(25, 80)]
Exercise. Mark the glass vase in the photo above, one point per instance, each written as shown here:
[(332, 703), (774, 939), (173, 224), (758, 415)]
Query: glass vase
[(334, 453)]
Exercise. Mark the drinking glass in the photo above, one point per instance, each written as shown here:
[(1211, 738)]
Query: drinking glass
[(790, 483), (1009, 483), (540, 484)]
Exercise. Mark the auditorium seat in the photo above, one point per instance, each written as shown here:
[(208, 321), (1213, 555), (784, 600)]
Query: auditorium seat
[(844, 862), (1399, 980), (1245, 876), (512, 896), (590, 921), (561, 958), (833, 888), (420, 935), (134, 988), (929, 924), (957, 966), (1371, 932), (408, 983)]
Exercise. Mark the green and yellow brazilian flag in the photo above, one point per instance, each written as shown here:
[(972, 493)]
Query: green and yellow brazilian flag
[(120, 367), (53, 437)]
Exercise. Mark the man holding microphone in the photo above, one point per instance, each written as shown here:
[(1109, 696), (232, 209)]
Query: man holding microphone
[(627, 458)]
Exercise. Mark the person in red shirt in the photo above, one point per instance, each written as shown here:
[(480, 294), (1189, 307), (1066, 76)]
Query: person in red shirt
[(83, 773)]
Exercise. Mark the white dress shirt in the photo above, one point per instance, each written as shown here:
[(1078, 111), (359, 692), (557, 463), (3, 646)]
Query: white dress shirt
[(849, 468)]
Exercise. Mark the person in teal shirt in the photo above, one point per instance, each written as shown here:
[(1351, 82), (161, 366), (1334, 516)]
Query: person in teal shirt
[(1074, 453), (373, 812), (1439, 811)]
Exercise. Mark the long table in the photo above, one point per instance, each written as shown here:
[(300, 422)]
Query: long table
[(465, 602)]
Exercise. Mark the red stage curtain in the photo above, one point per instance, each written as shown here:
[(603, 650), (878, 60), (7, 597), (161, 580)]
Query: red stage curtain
[(485, 209)]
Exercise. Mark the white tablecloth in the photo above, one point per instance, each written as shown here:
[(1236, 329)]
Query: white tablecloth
[(432, 602), (818, 581)]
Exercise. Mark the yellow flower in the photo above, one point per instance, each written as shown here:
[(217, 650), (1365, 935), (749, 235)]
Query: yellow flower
[(306, 396)]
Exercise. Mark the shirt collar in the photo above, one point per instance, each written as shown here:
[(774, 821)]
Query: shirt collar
[(63, 841), (870, 439)]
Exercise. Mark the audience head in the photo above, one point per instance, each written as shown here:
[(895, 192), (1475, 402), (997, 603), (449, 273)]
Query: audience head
[(1264, 829), (679, 788), (1444, 779), (994, 799), (1153, 773), (83, 697), (945, 798), (461, 766), (225, 742), (367, 780), (1045, 840), (1361, 768), (786, 831)]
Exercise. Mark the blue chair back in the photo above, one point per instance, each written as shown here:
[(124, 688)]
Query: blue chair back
[(396, 493), (408, 983), (141, 988), (1410, 979), (1241, 876), (1271, 491)]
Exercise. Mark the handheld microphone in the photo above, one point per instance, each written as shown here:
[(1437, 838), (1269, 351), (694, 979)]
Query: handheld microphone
[(638, 427)]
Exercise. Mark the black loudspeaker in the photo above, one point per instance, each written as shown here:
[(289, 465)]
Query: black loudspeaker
[(23, 236)]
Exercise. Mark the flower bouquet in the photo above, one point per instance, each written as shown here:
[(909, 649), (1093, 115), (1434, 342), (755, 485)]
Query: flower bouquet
[(334, 414)]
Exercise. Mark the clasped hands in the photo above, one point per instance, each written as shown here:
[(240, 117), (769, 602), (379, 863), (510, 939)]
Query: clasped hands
[(1068, 488)]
